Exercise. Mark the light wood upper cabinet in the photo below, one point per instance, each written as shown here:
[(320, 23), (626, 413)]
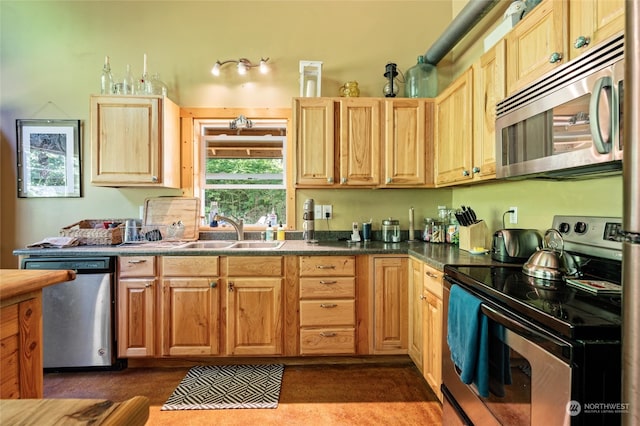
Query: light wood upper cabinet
[(408, 142), (537, 44), (366, 142), (135, 141), (454, 130), (390, 316), (489, 88), (592, 21), (314, 141), (359, 141)]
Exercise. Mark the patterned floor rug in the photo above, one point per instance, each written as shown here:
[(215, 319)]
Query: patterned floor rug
[(214, 387)]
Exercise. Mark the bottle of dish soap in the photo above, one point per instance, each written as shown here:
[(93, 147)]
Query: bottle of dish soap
[(269, 232), (280, 233)]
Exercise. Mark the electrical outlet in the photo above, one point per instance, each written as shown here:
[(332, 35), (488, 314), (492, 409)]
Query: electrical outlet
[(513, 217), (317, 212), (327, 211)]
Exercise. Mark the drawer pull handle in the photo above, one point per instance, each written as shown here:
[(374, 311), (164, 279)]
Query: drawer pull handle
[(431, 275), (136, 261), (327, 282), (327, 334), (326, 267), (328, 305)]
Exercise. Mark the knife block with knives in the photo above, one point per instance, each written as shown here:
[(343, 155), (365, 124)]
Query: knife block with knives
[(472, 236)]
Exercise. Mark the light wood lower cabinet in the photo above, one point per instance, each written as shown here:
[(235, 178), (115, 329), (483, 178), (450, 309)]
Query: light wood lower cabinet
[(189, 305), (254, 311), (432, 331), (21, 347), (136, 306), (390, 317), (416, 306), (327, 305)]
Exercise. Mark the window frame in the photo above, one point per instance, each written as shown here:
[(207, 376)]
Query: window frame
[(193, 162)]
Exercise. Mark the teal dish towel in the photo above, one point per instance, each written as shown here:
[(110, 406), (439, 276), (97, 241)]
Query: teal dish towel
[(468, 339)]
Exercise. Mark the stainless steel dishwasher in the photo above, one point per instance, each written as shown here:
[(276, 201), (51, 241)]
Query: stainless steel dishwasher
[(78, 316)]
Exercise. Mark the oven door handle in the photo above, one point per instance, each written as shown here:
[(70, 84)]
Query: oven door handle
[(554, 345)]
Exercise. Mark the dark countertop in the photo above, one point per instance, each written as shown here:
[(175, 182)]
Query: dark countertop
[(436, 255)]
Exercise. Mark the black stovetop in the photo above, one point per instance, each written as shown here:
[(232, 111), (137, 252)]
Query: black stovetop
[(561, 309)]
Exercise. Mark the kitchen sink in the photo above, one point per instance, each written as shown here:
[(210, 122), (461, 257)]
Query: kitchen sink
[(234, 245), (257, 245), (208, 244)]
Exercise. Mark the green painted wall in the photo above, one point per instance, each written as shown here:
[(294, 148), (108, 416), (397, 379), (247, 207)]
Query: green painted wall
[(51, 53)]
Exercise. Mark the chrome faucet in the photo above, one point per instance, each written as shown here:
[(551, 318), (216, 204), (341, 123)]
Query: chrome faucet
[(239, 225)]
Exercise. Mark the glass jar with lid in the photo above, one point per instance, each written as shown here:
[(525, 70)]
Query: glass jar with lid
[(428, 229), (391, 230)]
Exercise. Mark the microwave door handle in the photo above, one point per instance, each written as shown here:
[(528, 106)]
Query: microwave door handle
[(602, 87)]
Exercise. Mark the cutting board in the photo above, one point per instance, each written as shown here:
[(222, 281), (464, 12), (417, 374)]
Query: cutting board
[(165, 211)]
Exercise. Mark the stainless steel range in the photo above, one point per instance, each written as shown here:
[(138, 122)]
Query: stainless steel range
[(548, 353)]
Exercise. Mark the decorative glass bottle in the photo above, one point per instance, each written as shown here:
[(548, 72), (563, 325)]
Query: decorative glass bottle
[(128, 87), (421, 80), (106, 79)]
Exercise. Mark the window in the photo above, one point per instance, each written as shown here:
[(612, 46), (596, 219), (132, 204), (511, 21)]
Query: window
[(244, 169)]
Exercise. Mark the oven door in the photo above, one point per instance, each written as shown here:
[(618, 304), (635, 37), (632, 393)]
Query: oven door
[(536, 389)]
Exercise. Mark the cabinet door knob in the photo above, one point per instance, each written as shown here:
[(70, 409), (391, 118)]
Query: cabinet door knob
[(230, 286), (422, 297), (476, 169), (213, 284), (154, 178), (555, 57), (330, 179), (147, 285), (581, 41), (465, 173), (343, 180), (389, 180)]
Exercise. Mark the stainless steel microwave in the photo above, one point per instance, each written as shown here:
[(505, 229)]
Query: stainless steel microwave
[(567, 124)]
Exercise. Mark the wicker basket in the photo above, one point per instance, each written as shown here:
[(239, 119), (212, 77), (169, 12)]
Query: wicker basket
[(91, 232)]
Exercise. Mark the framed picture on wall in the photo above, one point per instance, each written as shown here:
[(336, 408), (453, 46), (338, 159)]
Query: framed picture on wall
[(49, 158)]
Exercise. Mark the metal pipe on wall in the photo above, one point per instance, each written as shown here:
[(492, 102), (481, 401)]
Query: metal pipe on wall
[(458, 28)]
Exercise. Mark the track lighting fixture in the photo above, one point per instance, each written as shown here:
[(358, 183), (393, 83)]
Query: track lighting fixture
[(242, 64)]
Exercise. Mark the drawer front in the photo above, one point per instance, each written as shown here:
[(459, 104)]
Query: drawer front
[(324, 266), (327, 312), (254, 266), (433, 281), (327, 341), (137, 266), (190, 266), (327, 287)]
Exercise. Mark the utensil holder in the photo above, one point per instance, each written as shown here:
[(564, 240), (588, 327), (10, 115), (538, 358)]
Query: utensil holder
[(473, 236)]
